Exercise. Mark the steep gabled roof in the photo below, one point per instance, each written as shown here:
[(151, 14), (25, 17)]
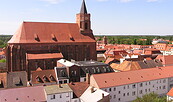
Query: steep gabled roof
[(78, 88), (83, 8), (44, 32), (45, 76)]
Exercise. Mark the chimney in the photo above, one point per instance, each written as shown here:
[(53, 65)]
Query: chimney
[(71, 83), (103, 95), (92, 89), (88, 78)]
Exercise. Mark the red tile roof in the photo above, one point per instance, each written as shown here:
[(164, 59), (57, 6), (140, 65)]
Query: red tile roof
[(166, 59), (170, 93), (78, 87), (26, 94), (44, 32), (45, 76), (108, 60), (126, 66), (129, 77), (45, 56)]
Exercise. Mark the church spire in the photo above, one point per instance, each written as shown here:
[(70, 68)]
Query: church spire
[(83, 8)]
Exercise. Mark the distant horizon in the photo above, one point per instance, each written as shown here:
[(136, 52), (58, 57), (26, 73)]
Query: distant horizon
[(120, 34)]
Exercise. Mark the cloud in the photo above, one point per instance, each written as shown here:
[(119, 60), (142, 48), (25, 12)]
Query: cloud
[(124, 1), (152, 0), (53, 1), (102, 0)]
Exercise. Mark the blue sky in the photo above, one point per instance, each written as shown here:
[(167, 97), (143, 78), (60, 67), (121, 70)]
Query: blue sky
[(108, 16)]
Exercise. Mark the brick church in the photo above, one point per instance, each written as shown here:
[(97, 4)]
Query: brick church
[(41, 44)]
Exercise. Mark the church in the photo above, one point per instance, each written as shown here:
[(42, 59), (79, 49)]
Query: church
[(41, 44)]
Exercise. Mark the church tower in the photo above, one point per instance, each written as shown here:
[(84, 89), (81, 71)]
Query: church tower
[(83, 20)]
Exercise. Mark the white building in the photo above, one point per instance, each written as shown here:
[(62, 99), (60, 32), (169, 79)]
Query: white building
[(59, 93), (127, 86), (94, 95)]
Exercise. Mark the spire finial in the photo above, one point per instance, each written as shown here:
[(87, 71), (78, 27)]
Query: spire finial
[(83, 8)]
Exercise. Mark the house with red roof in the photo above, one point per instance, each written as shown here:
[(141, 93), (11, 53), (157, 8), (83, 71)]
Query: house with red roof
[(167, 60), (128, 85)]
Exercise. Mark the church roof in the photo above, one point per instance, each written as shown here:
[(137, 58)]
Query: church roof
[(83, 8), (45, 56), (44, 32)]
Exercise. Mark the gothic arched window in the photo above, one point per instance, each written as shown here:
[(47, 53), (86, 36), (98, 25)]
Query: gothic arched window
[(86, 25)]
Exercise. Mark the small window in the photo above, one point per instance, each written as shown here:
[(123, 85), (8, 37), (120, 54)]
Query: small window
[(119, 92), (140, 84), (140, 92), (60, 96), (60, 82), (133, 93), (134, 86), (124, 87), (124, 94), (110, 89), (114, 89), (114, 96), (119, 99), (145, 90), (65, 81), (128, 94), (164, 87), (52, 97), (164, 81), (106, 90), (149, 83)]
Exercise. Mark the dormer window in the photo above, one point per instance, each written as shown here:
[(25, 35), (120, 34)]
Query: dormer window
[(62, 73), (52, 78), (45, 79), (86, 69), (94, 70), (39, 79), (98, 70), (36, 37), (53, 37), (17, 81), (104, 69)]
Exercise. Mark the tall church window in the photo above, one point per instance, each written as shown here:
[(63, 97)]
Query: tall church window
[(86, 25)]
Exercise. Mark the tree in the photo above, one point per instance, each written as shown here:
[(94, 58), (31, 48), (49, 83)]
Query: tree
[(151, 97)]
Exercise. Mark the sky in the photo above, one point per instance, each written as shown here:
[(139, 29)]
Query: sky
[(107, 16)]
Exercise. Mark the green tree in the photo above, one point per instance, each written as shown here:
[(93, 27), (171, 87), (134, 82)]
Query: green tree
[(151, 97)]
